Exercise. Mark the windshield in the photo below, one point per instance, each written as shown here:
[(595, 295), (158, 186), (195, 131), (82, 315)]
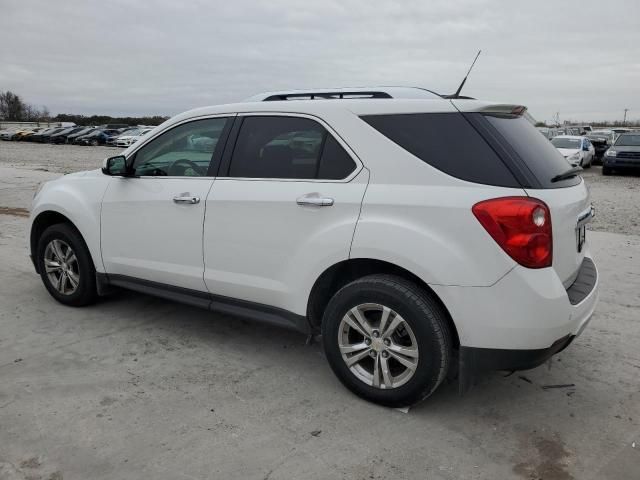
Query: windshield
[(573, 143), (627, 140), (126, 133)]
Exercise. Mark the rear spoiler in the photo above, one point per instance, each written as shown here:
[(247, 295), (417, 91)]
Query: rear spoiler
[(486, 107)]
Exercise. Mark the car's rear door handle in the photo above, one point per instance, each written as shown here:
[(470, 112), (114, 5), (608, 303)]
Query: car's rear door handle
[(315, 199), (186, 198)]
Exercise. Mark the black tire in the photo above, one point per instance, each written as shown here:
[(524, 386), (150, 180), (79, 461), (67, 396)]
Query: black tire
[(85, 292), (421, 312), (606, 170)]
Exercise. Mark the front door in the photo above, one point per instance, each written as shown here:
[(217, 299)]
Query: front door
[(152, 221)]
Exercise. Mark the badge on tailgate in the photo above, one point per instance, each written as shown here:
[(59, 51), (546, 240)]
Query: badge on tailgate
[(581, 227)]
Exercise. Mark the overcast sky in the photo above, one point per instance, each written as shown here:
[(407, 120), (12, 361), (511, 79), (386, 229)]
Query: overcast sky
[(579, 58)]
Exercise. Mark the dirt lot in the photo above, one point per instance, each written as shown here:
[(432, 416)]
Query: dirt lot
[(137, 387)]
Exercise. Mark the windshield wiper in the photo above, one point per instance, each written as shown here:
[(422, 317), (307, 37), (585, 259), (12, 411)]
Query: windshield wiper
[(572, 172)]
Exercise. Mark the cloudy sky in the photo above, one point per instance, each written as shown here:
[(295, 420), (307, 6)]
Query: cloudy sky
[(578, 58)]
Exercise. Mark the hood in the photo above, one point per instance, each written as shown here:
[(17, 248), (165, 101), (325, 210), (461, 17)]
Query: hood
[(567, 152), (626, 148)]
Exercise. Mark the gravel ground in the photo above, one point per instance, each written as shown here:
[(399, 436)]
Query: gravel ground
[(616, 198), (139, 387)]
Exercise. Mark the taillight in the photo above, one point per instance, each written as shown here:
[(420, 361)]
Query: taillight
[(521, 226)]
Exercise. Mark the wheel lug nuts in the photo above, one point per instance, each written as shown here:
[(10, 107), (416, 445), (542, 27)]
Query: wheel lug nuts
[(387, 342), (376, 334), (372, 353), (367, 341), (385, 354)]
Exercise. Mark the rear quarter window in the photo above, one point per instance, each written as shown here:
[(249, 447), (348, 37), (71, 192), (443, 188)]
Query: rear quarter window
[(536, 153), (448, 142)]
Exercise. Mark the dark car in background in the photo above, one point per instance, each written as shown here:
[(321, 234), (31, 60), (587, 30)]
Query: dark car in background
[(74, 136), (43, 136), (601, 141), (96, 137), (61, 137), (623, 155)]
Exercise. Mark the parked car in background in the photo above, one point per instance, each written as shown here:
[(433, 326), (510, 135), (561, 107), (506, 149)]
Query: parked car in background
[(61, 137), (21, 136), (621, 130), (126, 138), (43, 136), (111, 138), (415, 258), (601, 141), (9, 133), (576, 149), (83, 131), (623, 155), (96, 137), (141, 134)]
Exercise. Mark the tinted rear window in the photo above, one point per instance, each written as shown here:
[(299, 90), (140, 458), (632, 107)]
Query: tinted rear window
[(537, 153), (448, 142)]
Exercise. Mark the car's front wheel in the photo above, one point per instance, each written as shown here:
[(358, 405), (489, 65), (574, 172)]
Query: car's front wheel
[(65, 266), (387, 340)]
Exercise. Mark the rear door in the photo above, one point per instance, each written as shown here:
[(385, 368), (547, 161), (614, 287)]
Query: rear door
[(284, 207)]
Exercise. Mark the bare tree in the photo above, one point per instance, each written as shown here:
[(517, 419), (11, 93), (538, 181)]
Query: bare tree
[(11, 106)]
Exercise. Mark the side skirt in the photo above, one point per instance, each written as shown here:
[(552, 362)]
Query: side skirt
[(216, 303)]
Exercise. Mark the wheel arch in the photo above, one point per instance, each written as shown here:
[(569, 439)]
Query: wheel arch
[(40, 223), (338, 275)]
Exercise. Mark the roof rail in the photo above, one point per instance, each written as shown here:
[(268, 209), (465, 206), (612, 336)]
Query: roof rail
[(346, 93), (326, 95)]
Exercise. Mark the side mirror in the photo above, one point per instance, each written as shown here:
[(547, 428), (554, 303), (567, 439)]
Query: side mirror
[(115, 166), (585, 147)]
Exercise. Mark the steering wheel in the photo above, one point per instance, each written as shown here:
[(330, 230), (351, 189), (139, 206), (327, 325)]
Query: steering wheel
[(177, 168)]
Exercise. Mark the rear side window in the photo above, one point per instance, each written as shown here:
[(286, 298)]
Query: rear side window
[(540, 156), (335, 163), (448, 142), (288, 147)]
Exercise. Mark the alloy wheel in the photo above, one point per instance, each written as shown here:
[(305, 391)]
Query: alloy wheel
[(378, 346), (61, 267)]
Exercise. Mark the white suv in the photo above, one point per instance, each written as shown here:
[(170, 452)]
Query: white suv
[(421, 236)]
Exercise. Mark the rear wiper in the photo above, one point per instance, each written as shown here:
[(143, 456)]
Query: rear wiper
[(572, 172)]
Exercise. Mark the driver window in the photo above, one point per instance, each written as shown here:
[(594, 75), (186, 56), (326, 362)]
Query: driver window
[(183, 151)]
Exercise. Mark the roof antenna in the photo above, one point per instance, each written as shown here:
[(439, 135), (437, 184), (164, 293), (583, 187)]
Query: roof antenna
[(457, 94)]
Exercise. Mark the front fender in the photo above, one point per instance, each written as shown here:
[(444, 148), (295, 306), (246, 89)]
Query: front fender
[(79, 199)]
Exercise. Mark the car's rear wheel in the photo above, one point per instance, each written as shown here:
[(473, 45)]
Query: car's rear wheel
[(387, 340), (65, 266), (94, 143)]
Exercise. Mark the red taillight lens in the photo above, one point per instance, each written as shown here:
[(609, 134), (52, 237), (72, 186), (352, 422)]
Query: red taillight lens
[(521, 226)]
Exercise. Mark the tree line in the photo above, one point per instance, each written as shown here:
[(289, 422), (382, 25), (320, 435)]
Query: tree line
[(14, 109)]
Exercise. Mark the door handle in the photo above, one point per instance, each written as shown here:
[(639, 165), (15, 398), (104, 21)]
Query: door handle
[(315, 199), (186, 198)]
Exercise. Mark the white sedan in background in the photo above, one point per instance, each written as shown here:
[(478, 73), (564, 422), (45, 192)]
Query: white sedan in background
[(578, 150), (141, 134)]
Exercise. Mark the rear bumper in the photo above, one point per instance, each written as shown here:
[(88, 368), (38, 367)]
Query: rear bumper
[(482, 359), (526, 310)]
